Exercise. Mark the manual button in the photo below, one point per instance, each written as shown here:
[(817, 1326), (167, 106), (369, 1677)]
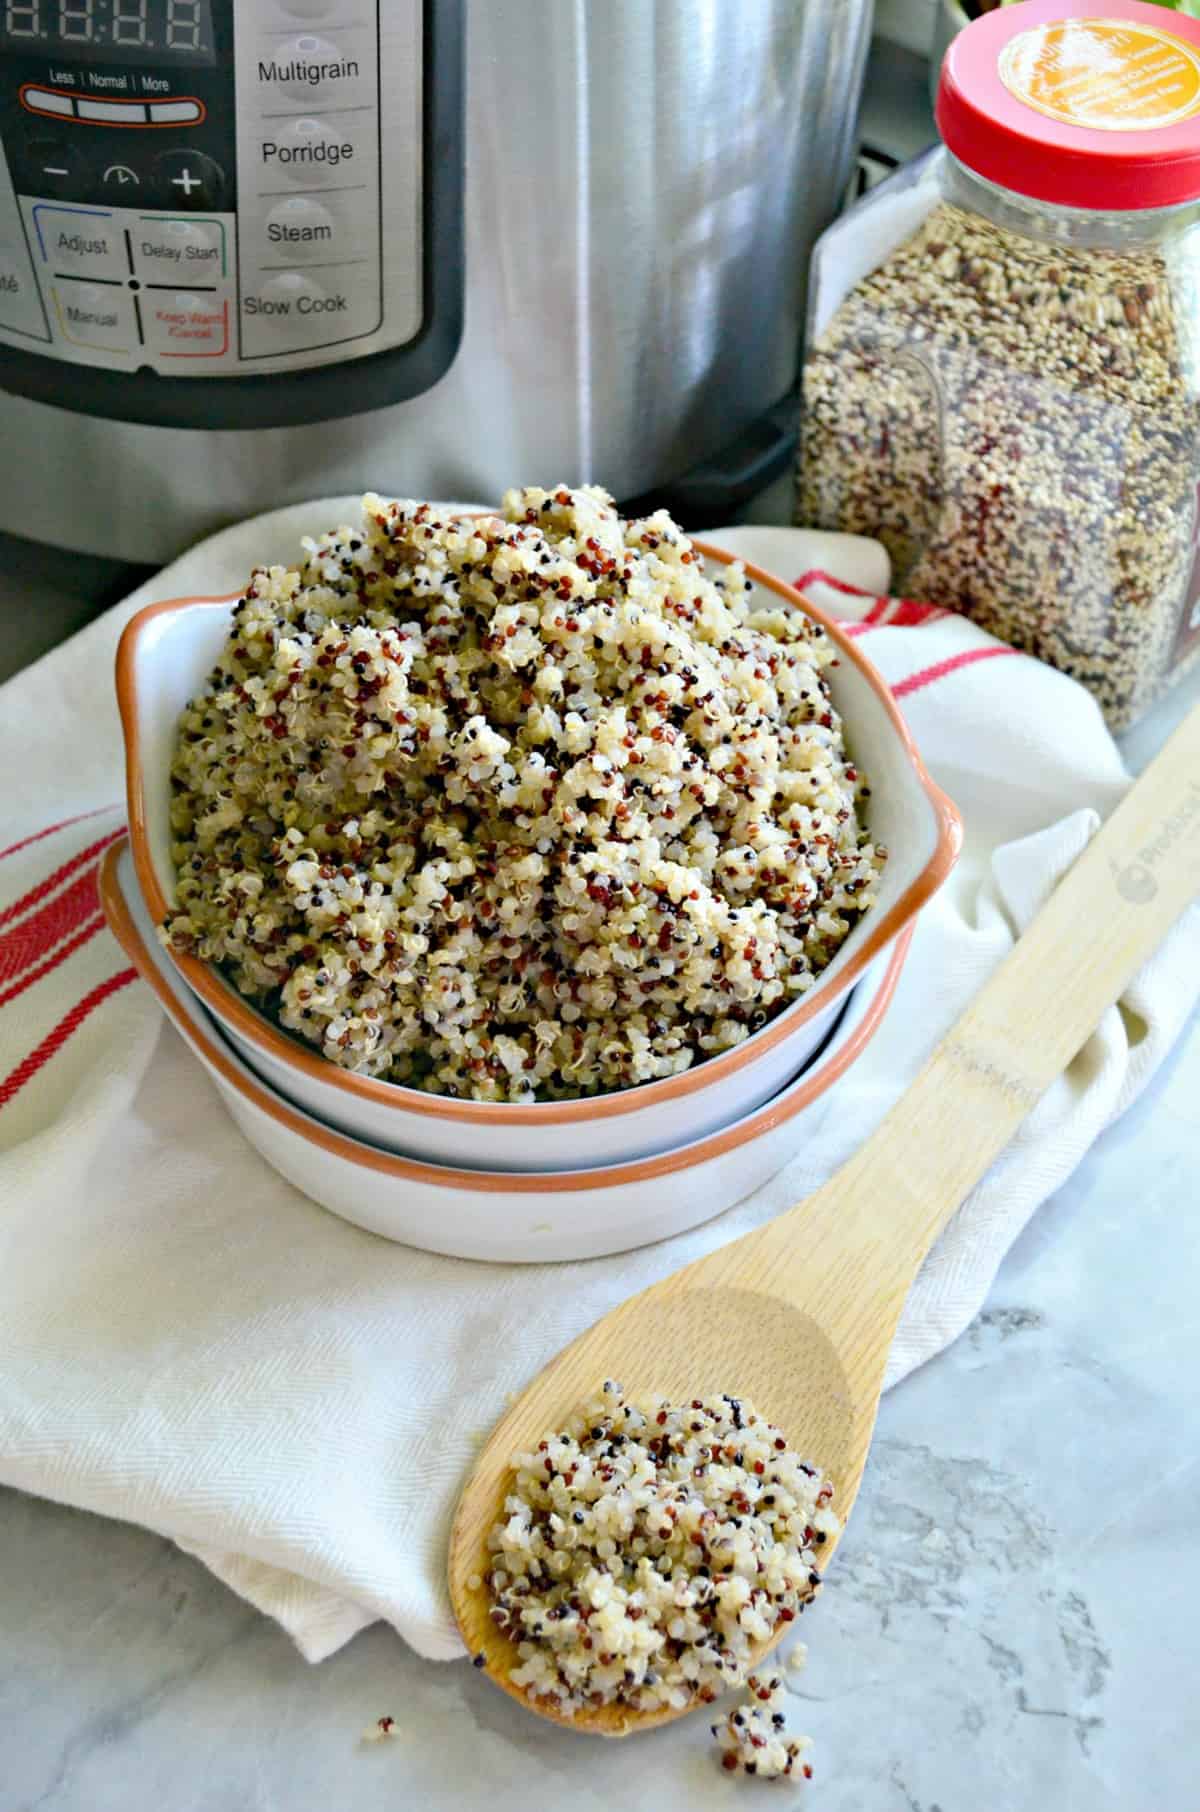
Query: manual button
[(81, 242), (182, 324), (167, 250), (95, 315)]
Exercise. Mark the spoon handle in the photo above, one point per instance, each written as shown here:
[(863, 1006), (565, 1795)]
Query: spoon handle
[(874, 1221)]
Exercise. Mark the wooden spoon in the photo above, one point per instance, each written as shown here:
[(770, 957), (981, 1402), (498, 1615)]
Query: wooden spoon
[(798, 1316)]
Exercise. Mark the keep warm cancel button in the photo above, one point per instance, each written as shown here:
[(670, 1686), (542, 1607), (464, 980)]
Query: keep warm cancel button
[(180, 325)]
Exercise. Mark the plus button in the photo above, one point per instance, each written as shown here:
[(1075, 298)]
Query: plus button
[(188, 180)]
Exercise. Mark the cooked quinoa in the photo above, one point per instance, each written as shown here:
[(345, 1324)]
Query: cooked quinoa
[(646, 1553), (752, 1736), (528, 806)]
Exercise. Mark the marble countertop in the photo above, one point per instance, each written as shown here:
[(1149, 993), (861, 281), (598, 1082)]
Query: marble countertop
[(1009, 1625)]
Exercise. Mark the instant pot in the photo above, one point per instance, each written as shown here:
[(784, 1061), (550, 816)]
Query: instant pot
[(257, 250)]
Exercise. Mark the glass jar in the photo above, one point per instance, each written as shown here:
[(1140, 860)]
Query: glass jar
[(1003, 383)]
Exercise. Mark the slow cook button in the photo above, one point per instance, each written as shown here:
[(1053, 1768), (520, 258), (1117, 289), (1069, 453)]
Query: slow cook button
[(181, 325), (305, 230), (290, 311), (165, 249), (79, 242), (95, 315), (311, 153)]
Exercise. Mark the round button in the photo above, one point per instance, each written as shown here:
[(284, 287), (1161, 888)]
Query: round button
[(121, 180), (304, 230), (310, 153), (302, 57), (55, 167), (291, 300), (188, 180)]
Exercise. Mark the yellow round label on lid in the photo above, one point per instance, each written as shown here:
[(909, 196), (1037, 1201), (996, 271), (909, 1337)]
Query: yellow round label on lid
[(1104, 73)]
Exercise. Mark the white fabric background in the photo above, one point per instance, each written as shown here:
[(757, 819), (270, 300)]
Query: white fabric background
[(188, 1343)]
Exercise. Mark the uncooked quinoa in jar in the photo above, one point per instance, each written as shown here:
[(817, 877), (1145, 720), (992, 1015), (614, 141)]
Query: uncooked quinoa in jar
[(519, 807), (647, 1551), (1008, 395)]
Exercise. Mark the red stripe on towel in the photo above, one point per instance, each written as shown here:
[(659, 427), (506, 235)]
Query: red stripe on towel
[(50, 830), (36, 936), (926, 675), (52, 962), (54, 1041), (38, 893)]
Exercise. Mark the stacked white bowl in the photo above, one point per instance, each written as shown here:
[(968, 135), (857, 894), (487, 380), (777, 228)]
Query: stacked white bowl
[(552, 1180)]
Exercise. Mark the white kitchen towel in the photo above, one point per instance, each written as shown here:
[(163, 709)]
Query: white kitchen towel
[(188, 1343)]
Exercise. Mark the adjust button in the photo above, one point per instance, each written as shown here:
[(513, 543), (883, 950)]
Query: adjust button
[(95, 315), (182, 325), (312, 153), (188, 179), (167, 250), (80, 242)]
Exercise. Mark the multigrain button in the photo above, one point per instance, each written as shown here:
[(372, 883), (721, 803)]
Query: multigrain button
[(182, 324), (95, 315), (166, 249), (304, 65), (82, 242), (306, 231), (311, 153)]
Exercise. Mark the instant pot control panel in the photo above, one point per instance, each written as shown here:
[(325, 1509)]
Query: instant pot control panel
[(265, 193)]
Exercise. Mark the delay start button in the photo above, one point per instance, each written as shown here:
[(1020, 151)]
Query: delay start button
[(166, 250)]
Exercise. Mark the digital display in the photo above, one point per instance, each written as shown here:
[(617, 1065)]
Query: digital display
[(134, 31)]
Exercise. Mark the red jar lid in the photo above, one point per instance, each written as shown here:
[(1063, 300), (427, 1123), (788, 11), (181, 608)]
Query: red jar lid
[(1087, 103)]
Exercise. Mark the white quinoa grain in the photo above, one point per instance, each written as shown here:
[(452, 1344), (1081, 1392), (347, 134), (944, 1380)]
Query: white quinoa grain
[(521, 807), (646, 1552)]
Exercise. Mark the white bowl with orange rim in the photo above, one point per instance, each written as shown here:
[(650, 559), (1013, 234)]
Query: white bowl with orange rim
[(507, 1216), (165, 656)]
